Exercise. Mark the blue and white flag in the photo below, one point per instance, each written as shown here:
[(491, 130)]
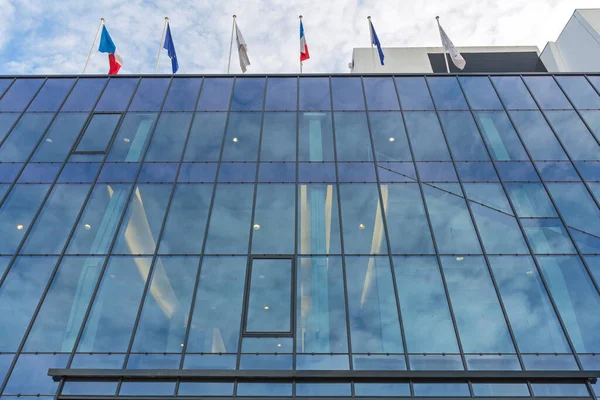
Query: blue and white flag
[(375, 41), (170, 47)]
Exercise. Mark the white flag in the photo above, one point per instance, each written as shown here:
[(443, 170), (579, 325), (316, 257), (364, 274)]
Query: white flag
[(457, 59), (242, 49)]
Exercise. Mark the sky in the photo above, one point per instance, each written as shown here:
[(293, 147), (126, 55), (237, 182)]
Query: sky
[(55, 36)]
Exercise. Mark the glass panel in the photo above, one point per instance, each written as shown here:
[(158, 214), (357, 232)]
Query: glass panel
[(282, 94), (117, 94), (121, 289), (274, 213), (30, 375), (118, 172), (547, 93), (577, 139), (477, 171), (452, 226), (347, 94), (205, 388), (389, 137), (133, 137), (315, 137), (59, 139), (576, 206), (579, 90), (361, 219), (500, 136), (6, 123), (19, 94), (243, 134), (19, 295), (186, 223), (500, 389), (529, 310), (140, 228), (248, 94), (381, 94), (206, 137), (59, 320), (382, 389), (150, 94), (352, 137), (100, 219), (323, 389), (397, 172), (98, 133), (314, 94), (426, 136), (24, 137), (407, 224), (576, 298), (547, 236), (441, 389), (264, 389), (216, 94), (560, 389), (278, 137), (480, 93), (479, 318), (321, 311), (414, 94), (218, 307), (17, 213), (589, 171), (39, 173), (4, 84), (427, 323), (557, 171), (147, 388), (84, 95), (592, 118), (530, 200), (513, 93), (537, 136), (270, 296), (318, 220), (165, 313), (488, 194), (499, 232), (373, 312), (183, 94), (237, 172), (55, 221), (463, 136), (169, 137), (197, 172), (52, 94), (277, 172), (158, 172), (447, 94)]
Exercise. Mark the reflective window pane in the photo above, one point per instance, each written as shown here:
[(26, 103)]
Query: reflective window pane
[(84, 95), (441, 389), (560, 389), (282, 94), (21, 141), (577, 139), (513, 93), (52, 94), (446, 93), (133, 137), (278, 141), (314, 94), (426, 136), (389, 137), (150, 94), (206, 137), (347, 94), (414, 93), (318, 221), (215, 95), (242, 138), (463, 136), (381, 94), (537, 136), (30, 375), (488, 194), (273, 226), (500, 136), (169, 137), (530, 200), (557, 171), (98, 133), (499, 232), (58, 140), (547, 93), (6, 123), (352, 137), (548, 236), (480, 93), (500, 389), (183, 94), (579, 90), (315, 137), (117, 94), (248, 94), (19, 95)]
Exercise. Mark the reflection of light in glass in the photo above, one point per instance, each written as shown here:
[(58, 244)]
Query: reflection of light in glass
[(529, 272), (112, 275), (126, 140), (459, 258), (261, 277), (361, 226), (392, 139), (181, 344), (266, 307), (235, 140), (278, 344), (48, 140), (87, 226), (256, 227), (20, 227)]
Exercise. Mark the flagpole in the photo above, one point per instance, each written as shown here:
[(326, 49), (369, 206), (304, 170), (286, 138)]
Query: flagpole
[(93, 44), (300, 49), (231, 43), (162, 42), (371, 35), (445, 52)]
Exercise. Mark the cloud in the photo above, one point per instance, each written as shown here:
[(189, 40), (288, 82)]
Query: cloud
[(55, 37)]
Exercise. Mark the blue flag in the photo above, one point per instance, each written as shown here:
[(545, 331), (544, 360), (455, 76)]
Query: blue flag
[(170, 47), (375, 41)]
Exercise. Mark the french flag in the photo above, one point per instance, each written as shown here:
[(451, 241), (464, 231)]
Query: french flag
[(303, 46), (107, 46)]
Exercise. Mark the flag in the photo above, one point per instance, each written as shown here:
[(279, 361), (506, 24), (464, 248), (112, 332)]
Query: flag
[(303, 46), (170, 47), (457, 59), (242, 49), (375, 41), (107, 46)]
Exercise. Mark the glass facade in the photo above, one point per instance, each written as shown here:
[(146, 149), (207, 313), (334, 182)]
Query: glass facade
[(339, 224)]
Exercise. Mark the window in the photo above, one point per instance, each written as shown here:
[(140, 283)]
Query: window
[(97, 135)]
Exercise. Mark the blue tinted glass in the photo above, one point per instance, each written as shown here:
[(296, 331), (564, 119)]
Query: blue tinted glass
[(114, 361), (216, 94), (277, 172), (229, 227), (530, 200), (489, 362), (278, 141), (24, 137), (39, 173), (579, 90), (155, 361), (389, 136), (452, 226), (98, 133), (19, 295), (58, 140), (186, 223), (19, 94), (577, 139), (5, 364), (537, 136), (242, 138), (316, 172), (500, 389), (500, 136), (314, 94), (513, 93), (3, 189), (62, 313), (517, 171), (592, 118), (84, 95), (318, 219), (382, 389), (183, 94), (206, 388), (315, 139), (237, 172), (113, 172), (557, 171), (158, 172), (488, 194), (197, 172), (554, 362), (264, 389), (8, 172), (442, 362), (147, 388), (206, 137), (150, 94), (499, 232), (52, 94), (352, 137), (79, 173), (323, 389), (274, 215), (414, 94), (381, 94), (447, 94), (396, 172), (121, 288), (441, 389), (30, 375), (248, 94), (426, 136), (547, 93), (117, 94), (436, 172), (548, 236), (560, 389), (463, 136), (347, 94), (322, 362), (480, 93), (4, 84), (356, 172), (590, 171), (169, 137), (6, 123), (282, 94), (133, 137), (476, 171)]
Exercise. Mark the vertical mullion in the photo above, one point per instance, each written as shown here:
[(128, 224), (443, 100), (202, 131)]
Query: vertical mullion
[(296, 233), (384, 220)]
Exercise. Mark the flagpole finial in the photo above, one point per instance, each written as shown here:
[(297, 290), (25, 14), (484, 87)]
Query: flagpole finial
[(369, 17), (300, 17), (102, 19), (234, 16), (166, 18), (437, 17)]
